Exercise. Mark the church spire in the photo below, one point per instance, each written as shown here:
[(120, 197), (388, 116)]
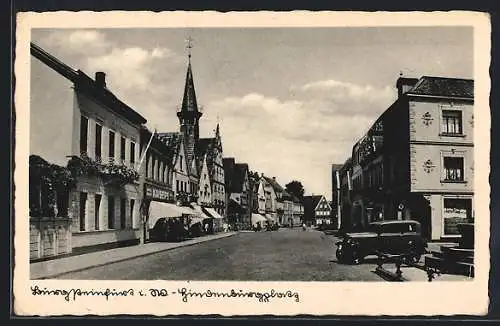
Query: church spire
[(189, 115), (217, 128), (189, 103)]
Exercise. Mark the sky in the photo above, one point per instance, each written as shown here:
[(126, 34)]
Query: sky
[(290, 101)]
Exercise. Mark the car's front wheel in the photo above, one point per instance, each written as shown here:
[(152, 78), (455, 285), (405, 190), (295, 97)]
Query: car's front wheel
[(339, 253)]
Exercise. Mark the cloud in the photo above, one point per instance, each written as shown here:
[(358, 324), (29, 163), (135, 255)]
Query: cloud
[(344, 91), (128, 67), (292, 139), (77, 41)]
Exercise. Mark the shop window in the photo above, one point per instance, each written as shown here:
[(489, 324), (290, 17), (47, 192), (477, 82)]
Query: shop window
[(453, 169), (456, 211), (84, 130), (97, 206), (111, 212), (451, 122)]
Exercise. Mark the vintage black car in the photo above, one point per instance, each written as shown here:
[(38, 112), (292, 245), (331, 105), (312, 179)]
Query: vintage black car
[(166, 229), (392, 237)]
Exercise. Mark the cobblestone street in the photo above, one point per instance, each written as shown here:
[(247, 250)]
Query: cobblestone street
[(286, 255)]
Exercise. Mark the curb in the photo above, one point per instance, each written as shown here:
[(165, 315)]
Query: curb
[(128, 258)]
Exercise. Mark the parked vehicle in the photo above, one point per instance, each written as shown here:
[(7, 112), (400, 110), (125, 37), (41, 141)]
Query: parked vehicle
[(166, 229), (387, 237)]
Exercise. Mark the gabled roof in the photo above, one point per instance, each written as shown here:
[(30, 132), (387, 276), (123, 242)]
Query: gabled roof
[(228, 164), (203, 145), (173, 141), (156, 143), (239, 176), (274, 184), (287, 196), (444, 86), (234, 175), (310, 202)]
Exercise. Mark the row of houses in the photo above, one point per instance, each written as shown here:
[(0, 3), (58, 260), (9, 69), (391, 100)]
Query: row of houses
[(115, 178), (416, 161)]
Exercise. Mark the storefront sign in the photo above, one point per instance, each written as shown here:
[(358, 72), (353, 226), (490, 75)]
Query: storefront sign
[(455, 213), (155, 193)]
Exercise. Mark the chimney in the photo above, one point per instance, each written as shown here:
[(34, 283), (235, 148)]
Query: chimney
[(100, 79), (274, 178), (404, 84)]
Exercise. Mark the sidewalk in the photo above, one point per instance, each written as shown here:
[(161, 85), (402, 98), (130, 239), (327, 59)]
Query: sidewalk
[(416, 274), (60, 266), (419, 274)]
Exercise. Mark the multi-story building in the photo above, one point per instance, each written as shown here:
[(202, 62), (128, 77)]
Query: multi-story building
[(199, 173), (103, 137), (317, 210), (157, 169), (345, 203), (416, 161), (209, 151), (298, 211), (367, 178), (181, 182), (205, 186), (238, 191), (270, 199), (292, 210)]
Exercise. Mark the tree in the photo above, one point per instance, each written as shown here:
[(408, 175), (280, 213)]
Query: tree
[(295, 188)]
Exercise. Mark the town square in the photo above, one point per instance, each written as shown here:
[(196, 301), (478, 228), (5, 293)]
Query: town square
[(212, 154)]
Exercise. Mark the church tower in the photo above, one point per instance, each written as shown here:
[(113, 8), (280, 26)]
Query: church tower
[(189, 115)]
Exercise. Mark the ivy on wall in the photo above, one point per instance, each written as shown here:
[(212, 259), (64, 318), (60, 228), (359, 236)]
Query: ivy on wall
[(47, 182), (50, 183)]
